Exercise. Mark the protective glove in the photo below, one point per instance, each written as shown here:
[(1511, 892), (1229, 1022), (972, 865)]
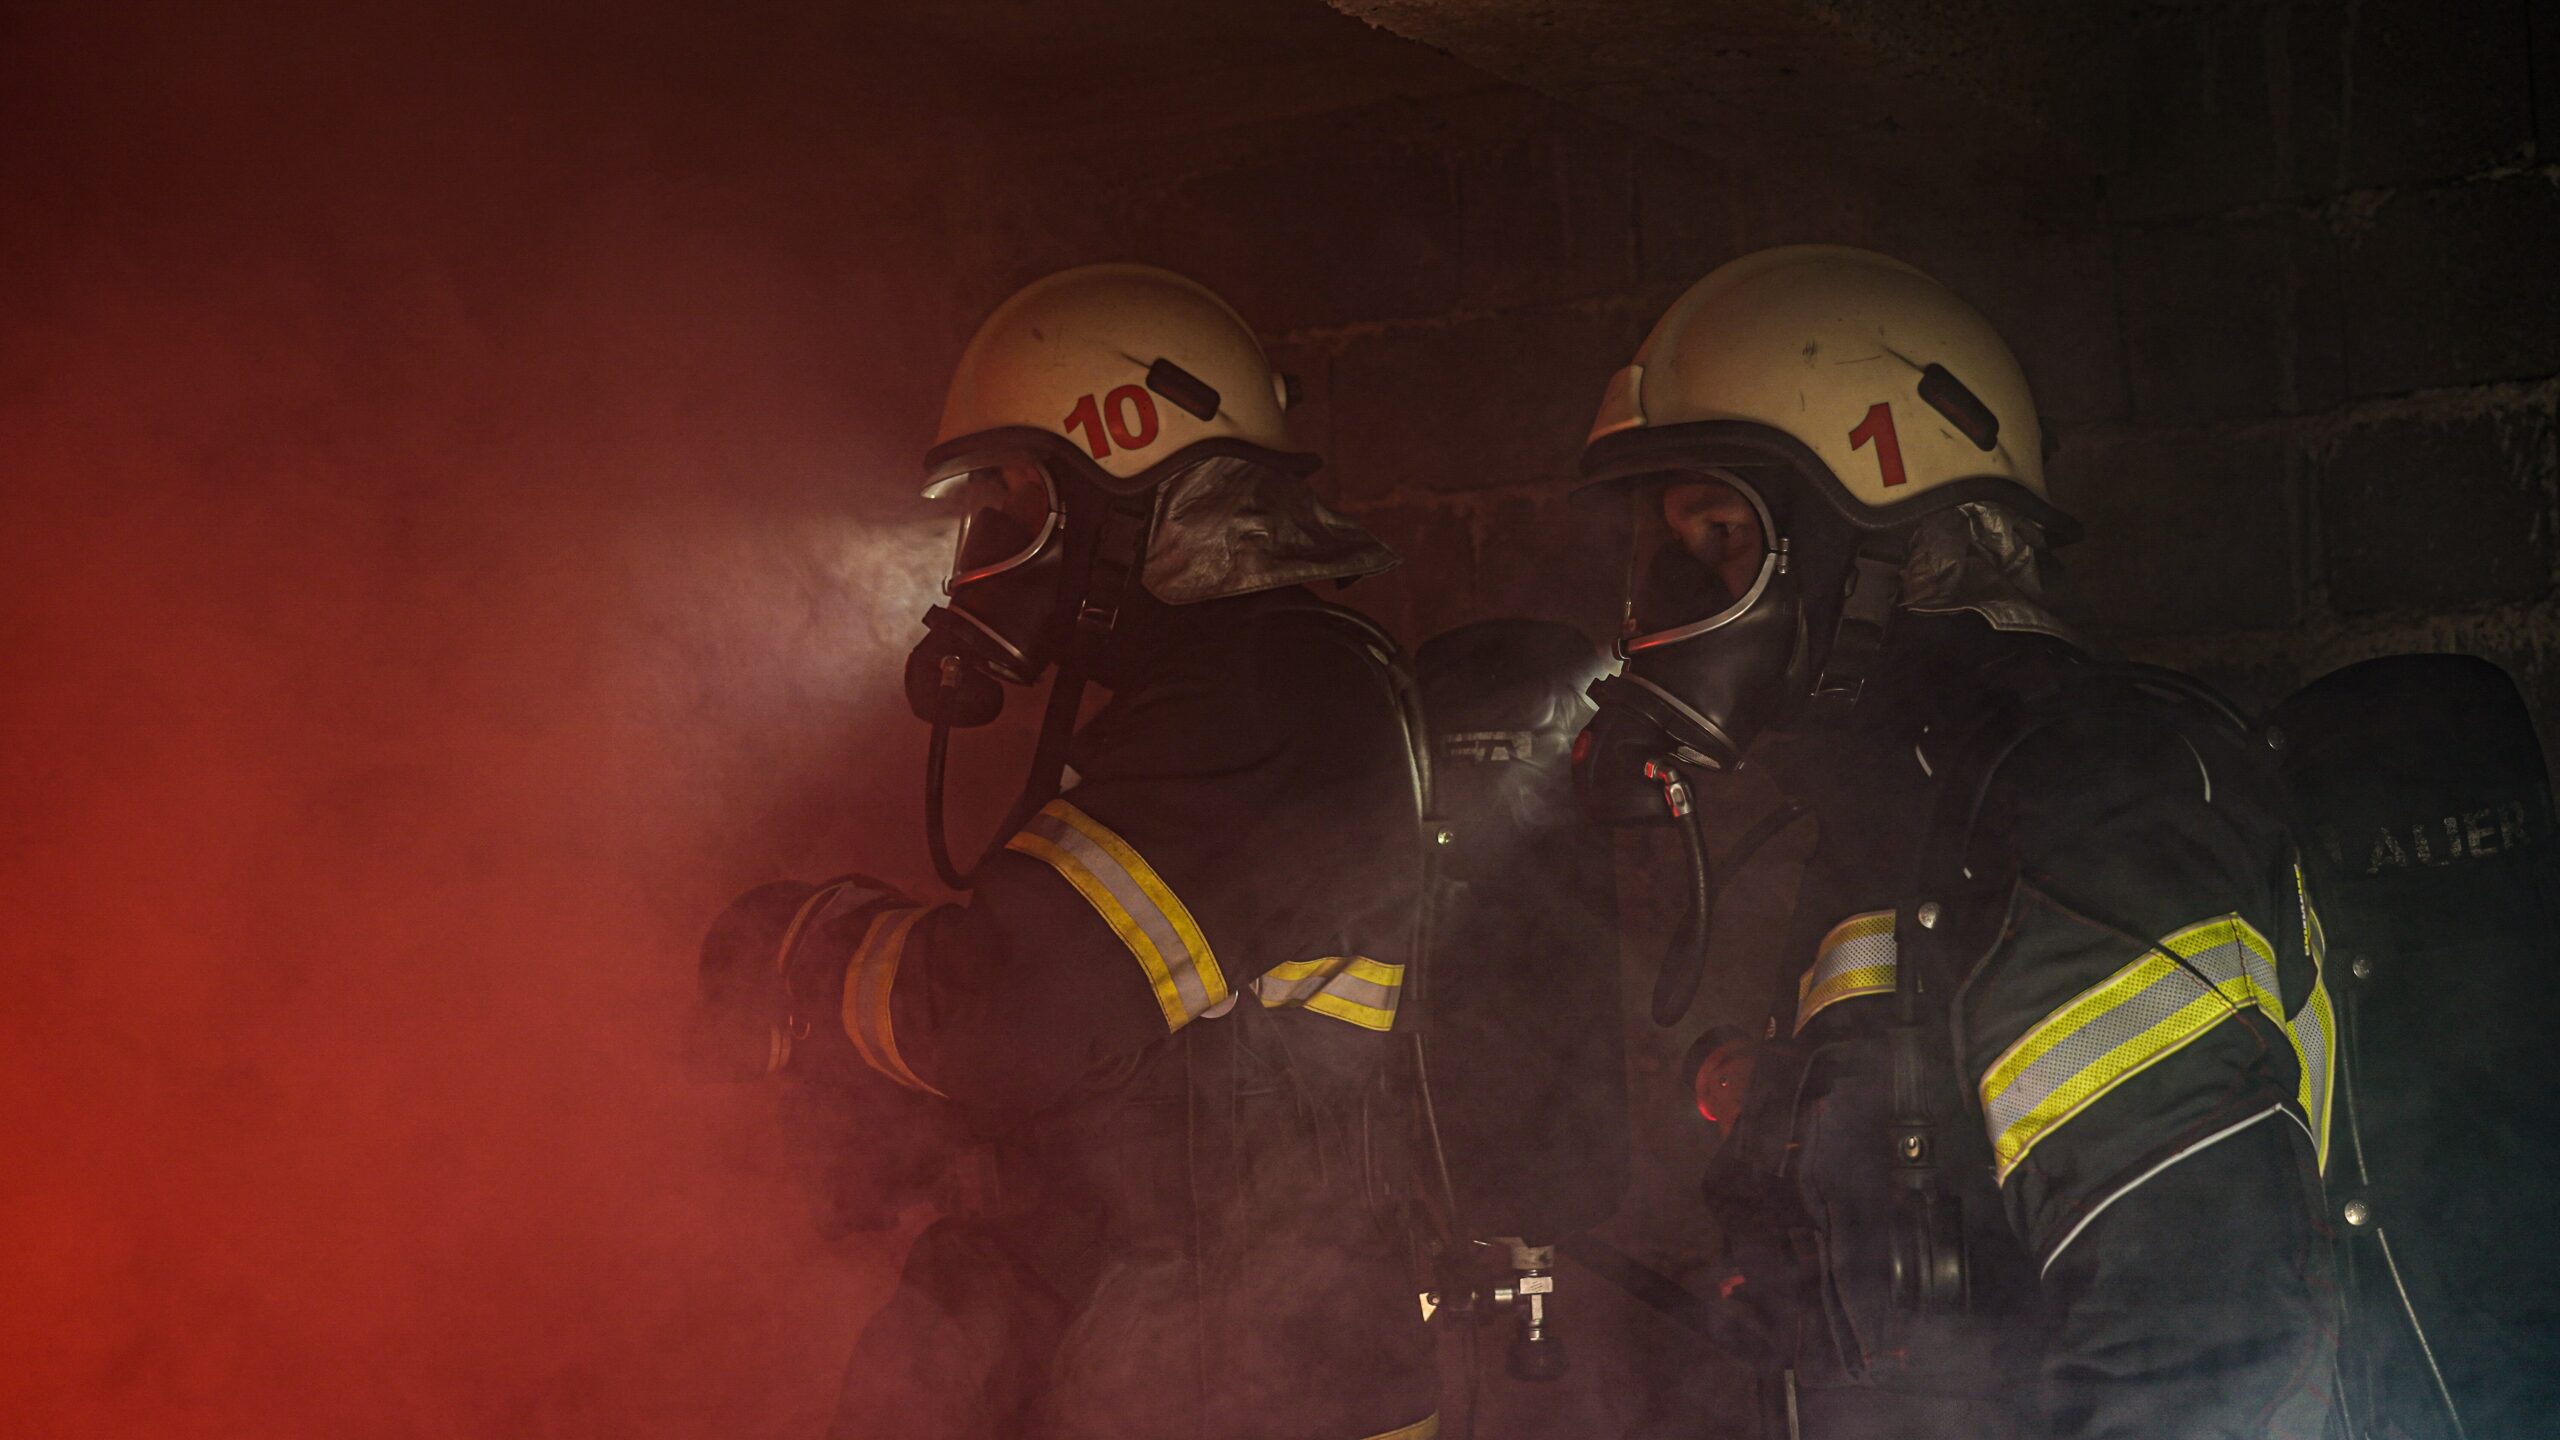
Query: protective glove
[(760, 985)]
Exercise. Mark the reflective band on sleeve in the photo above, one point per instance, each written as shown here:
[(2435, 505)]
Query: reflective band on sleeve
[(2125, 1024), (1856, 958), (1135, 902), (1350, 988), (867, 983), (2313, 1025)]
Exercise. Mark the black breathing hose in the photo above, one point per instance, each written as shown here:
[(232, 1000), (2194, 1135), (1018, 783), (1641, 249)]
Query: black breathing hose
[(1684, 963), (937, 754)]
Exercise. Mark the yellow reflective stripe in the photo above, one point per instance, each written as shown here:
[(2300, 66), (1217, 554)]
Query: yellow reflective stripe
[(2313, 1028), (868, 982), (1856, 958), (1359, 967), (1152, 885), (1116, 916), (1367, 1017), (1354, 989), (1134, 901), (2138, 1017), (2311, 1041), (1292, 971), (1426, 1428), (2057, 1105)]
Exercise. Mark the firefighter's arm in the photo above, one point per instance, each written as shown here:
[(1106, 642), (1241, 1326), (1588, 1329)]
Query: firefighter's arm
[(2203, 1302), (1003, 1002), (2150, 1092), (1134, 904)]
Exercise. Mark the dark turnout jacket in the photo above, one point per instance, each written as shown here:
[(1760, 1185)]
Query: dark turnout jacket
[(1170, 998), (2127, 1039)]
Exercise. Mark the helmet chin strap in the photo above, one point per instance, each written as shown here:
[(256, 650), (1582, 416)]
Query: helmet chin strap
[(1867, 600), (1118, 550)]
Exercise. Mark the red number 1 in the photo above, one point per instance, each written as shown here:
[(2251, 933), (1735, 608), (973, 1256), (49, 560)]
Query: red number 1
[(1087, 417), (1878, 426)]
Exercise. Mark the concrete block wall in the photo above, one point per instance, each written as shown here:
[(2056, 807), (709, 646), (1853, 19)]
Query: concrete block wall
[(2285, 283), (2336, 235)]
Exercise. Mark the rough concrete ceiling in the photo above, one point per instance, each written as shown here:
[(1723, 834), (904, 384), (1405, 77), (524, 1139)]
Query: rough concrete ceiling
[(1889, 83), (1025, 72)]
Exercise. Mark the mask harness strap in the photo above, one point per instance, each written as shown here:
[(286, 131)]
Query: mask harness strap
[(1114, 556), (1867, 599)]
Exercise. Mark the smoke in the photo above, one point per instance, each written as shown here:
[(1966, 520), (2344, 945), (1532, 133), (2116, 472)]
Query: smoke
[(454, 474)]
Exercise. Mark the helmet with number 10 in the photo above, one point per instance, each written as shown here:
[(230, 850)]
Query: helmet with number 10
[(1777, 437), (1111, 424)]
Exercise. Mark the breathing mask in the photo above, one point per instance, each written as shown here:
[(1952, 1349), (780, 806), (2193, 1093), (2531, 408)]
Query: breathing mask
[(1713, 627)]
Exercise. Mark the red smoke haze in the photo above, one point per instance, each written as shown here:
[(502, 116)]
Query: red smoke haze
[(453, 475)]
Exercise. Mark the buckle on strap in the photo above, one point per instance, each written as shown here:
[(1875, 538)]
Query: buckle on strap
[(1866, 613)]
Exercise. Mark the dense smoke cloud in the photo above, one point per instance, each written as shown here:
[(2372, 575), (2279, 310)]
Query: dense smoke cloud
[(454, 476)]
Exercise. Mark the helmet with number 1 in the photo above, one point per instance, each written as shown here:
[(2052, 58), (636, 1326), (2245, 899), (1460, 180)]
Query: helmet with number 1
[(1122, 407), (1798, 429)]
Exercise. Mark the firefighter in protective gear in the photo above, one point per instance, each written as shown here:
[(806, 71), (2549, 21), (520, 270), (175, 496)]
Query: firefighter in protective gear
[(1168, 1005), (2032, 1142)]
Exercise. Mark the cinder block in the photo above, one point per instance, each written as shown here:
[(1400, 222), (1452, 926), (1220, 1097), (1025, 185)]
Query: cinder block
[(1546, 218), (2044, 279), (2231, 319), (1688, 217), (1474, 404), (2546, 85), (1311, 419), (2188, 533), (2223, 107), (2419, 512), (2454, 286), (1435, 586), (1549, 558), (2435, 90), (1319, 240)]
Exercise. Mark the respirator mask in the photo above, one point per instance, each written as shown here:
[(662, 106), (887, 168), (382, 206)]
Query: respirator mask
[(1039, 572), (1713, 640), (1053, 557), (1005, 590)]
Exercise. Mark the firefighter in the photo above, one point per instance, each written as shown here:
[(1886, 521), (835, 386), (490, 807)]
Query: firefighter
[(1168, 1003), (2032, 1141)]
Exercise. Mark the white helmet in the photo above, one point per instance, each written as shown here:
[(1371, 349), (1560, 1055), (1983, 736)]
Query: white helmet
[(1904, 396), (1121, 422), (1128, 363), (1796, 433)]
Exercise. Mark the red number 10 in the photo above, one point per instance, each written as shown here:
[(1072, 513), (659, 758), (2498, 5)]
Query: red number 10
[(1878, 426), (1127, 414)]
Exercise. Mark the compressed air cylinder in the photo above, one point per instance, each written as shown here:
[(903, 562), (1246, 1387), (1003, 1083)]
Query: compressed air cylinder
[(1527, 1042)]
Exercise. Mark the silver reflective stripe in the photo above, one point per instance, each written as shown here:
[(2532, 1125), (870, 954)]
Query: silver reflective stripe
[(2313, 1025), (1353, 989), (1856, 958), (2163, 1001), (1130, 897)]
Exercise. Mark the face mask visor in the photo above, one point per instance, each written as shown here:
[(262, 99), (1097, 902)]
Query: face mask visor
[(1009, 512), (1704, 552)]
